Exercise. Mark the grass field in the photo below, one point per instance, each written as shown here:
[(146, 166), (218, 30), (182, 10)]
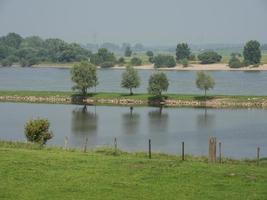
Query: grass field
[(28, 172)]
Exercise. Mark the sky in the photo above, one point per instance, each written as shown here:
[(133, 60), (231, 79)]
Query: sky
[(151, 22)]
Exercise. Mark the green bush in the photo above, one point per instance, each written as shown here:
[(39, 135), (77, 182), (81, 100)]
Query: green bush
[(121, 61), (38, 131), (235, 62), (6, 62), (107, 64), (209, 57), (184, 62), (162, 60), (136, 61)]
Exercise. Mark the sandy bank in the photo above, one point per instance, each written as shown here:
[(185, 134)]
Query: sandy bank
[(191, 67)]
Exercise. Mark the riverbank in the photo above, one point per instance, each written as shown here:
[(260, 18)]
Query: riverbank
[(30, 172), (124, 99), (191, 67)]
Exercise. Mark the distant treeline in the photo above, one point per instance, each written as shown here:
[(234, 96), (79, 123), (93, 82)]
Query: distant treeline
[(33, 50)]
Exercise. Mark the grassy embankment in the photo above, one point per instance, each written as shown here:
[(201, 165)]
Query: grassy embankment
[(28, 172), (146, 99), (140, 96)]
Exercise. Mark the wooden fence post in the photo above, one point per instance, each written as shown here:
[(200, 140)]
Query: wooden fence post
[(85, 145), (115, 145), (258, 156), (183, 158), (149, 148), (212, 149), (220, 152), (66, 142)]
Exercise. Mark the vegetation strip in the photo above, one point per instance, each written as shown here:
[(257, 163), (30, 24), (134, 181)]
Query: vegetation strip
[(216, 101), (46, 173)]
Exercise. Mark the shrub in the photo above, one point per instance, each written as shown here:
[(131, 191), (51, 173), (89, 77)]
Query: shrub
[(184, 62), (38, 131), (164, 61), (209, 57), (6, 63), (136, 61), (192, 57), (121, 61), (107, 64), (234, 62)]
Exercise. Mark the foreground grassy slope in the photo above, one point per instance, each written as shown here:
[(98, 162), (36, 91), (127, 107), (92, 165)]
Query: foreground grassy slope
[(29, 173)]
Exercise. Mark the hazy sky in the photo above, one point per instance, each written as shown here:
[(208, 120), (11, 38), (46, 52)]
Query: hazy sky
[(152, 22)]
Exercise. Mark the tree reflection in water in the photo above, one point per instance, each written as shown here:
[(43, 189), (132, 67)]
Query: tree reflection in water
[(131, 122), (158, 121), (206, 120), (84, 122)]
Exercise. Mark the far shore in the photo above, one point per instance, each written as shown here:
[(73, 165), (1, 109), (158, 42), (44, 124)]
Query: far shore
[(191, 67)]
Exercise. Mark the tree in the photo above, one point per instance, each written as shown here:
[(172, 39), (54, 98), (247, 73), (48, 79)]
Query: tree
[(150, 55), (12, 40), (252, 52), (234, 61), (103, 56), (204, 82), (130, 79), (128, 52), (38, 131), (162, 60), (209, 57), (84, 76), (136, 61), (182, 51), (121, 61), (158, 83)]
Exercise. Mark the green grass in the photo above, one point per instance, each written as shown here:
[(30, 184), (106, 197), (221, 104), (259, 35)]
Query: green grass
[(28, 172), (140, 96)]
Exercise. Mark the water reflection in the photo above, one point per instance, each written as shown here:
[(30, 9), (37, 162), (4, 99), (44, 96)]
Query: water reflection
[(131, 122), (84, 122), (205, 120), (158, 120)]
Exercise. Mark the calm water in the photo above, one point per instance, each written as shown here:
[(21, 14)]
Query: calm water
[(240, 130), (52, 79)]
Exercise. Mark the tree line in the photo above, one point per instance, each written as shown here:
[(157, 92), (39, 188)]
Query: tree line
[(33, 50), (84, 75)]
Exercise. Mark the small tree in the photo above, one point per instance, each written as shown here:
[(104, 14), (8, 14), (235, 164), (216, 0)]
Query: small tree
[(150, 55), (158, 83), (130, 79), (204, 82), (234, 61), (84, 75), (182, 51), (184, 62), (252, 52), (121, 61), (38, 131), (128, 52)]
